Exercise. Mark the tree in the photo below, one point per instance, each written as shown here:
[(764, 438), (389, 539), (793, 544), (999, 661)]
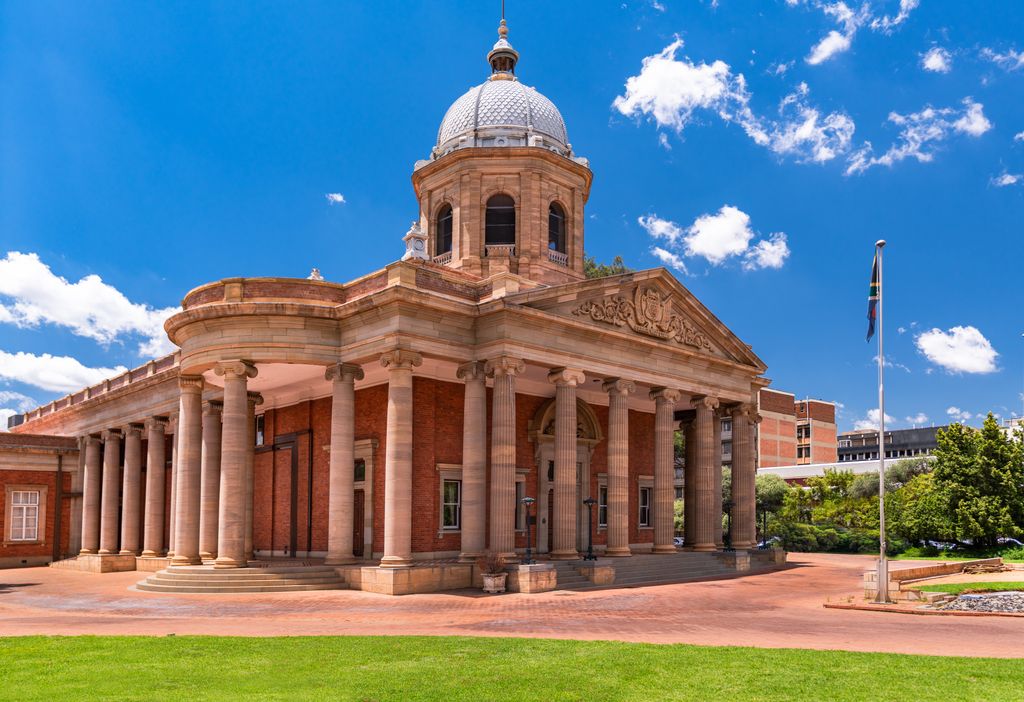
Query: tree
[(897, 475), (769, 495), (593, 269), (918, 511), (980, 475)]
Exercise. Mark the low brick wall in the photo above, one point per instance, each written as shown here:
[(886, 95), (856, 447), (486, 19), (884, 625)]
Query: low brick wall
[(904, 575)]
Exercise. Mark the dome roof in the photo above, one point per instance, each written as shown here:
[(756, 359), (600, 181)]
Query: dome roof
[(502, 113)]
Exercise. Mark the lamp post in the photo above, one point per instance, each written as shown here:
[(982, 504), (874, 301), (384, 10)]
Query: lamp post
[(728, 526), (590, 502), (527, 505)]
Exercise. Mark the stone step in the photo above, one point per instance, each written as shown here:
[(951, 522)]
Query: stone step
[(219, 582), (238, 576), (282, 570), (147, 586)]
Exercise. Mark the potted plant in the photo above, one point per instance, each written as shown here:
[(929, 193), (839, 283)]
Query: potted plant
[(492, 568)]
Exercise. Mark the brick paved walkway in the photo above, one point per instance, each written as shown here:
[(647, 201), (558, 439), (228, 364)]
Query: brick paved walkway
[(780, 609)]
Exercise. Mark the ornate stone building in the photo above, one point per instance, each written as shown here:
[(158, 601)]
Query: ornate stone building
[(394, 424)]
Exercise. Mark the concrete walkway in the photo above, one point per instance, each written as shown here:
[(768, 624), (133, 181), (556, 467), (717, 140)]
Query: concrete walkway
[(778, 609)]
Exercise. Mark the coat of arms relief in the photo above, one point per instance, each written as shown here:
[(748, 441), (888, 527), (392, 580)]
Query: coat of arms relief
[(647, 313)]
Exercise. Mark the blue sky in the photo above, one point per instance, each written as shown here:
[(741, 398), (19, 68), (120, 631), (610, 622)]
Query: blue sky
[(759, 147)]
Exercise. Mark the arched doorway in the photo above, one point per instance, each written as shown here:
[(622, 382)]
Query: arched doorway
[(542, 434)]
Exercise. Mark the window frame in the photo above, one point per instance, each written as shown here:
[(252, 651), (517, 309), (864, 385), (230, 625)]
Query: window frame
[(602, 505), (555, 210), (511, 208), (447, 472), (445, 213), (456, 505), (40, 492), (648, 491)]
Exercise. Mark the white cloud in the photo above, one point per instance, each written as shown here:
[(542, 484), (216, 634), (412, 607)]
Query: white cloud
[(52, 373), (1005, 179), (767, 253), (959, 350), (661, 228), (716, 238), (958, 415), (1012, 60), (669, 259), (937, 60), (21, 402), (886, 23), (780, 68), (657, 6), (921, 133), (1019, 136), (89, 308), (871, 421), (335, 198), (664, 142), (670, 91), (833, 43), (919, 418), (901, 330)]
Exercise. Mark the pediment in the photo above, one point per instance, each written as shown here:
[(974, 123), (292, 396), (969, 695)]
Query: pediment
[(651, 304)]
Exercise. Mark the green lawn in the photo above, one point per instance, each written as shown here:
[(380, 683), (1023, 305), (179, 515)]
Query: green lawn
[(913, 556), (957, 588), (456, 668)]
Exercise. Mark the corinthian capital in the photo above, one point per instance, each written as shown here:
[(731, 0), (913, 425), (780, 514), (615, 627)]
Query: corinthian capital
[(742, 411), (235, 369), (567, 376), (668, 395), (345, 372), (706, 402), (254, 398), (401, 359), (505, 365), (618, 386)]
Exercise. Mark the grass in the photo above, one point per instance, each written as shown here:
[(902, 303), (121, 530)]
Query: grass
[(959, 588), (916, 554), (479, 669)]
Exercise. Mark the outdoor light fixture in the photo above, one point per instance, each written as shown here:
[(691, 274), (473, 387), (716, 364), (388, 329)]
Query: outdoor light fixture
[(590, 502), (527, 505)]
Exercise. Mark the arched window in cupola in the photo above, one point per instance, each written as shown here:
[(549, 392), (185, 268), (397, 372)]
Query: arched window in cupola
[(556, 228), (443, 231), (500, 222)]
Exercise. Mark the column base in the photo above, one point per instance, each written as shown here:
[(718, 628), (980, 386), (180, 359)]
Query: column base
[(207, 556), (108, 552), (226, 562), (87, 552), (468, 557), (664, 549), (129, 552), (186, 561), (744, 546), (152, 554), (340, 560), (618, 552), (395, 562), (704, 548), (564, 555)]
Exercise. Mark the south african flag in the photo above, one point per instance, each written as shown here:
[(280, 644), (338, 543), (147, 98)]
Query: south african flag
[(873, 292)]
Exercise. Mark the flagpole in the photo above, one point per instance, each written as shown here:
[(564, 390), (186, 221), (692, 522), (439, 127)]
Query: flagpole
[(883, 564)]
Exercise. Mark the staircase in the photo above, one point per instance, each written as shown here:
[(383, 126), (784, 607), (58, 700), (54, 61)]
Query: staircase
[(648, 569), (207, 579)]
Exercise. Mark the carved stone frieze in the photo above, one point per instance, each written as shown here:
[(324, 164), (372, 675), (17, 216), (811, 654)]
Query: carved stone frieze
[(648, 312)]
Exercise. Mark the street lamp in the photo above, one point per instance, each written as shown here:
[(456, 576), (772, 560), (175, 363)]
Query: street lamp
[(527, 504), (728, 526), (590, 502)]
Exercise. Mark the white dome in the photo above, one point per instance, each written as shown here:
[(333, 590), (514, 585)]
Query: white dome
[(502, 113)]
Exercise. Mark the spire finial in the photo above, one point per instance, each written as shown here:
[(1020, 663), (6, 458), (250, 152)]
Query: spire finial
[(503, 57)]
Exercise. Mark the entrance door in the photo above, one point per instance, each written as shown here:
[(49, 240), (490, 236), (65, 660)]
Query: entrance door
[(357, 526)]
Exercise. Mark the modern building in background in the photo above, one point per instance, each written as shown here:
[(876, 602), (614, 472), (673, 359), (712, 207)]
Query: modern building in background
[(899, 443), (794, 432)]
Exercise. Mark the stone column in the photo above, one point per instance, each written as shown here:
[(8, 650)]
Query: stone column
[(618, 466), (690, 485), (111, 491), (665, 400), (91, 495), (209, 491), (131, 500), (250, 469), (744, 511), (341, 493), (474, 461), (398, 459), (234, 447), (188, 485), (173, 499), (717, 458), (566, 381), (705, 511), (153, 536), (504, 370)]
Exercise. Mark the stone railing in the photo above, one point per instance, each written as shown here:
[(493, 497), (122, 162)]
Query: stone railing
[(558, 257), (506, 250), (443, 259)]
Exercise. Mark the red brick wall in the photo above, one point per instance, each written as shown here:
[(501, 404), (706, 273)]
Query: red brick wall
[(41, 478)]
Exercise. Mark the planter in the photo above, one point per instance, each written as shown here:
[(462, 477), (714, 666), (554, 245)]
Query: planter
[(494, 582)]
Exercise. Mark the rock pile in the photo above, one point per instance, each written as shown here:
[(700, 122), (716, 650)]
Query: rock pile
[(1012, 601)]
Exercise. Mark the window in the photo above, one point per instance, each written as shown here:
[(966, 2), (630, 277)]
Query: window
[(803, 431), (520, 513), (259, 429), (556, 228), (500, 222), (25, 515), (443, 242), (803, 451), (645, 506), (726, 426), (359, 473), (451, 508), (602, 506)]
